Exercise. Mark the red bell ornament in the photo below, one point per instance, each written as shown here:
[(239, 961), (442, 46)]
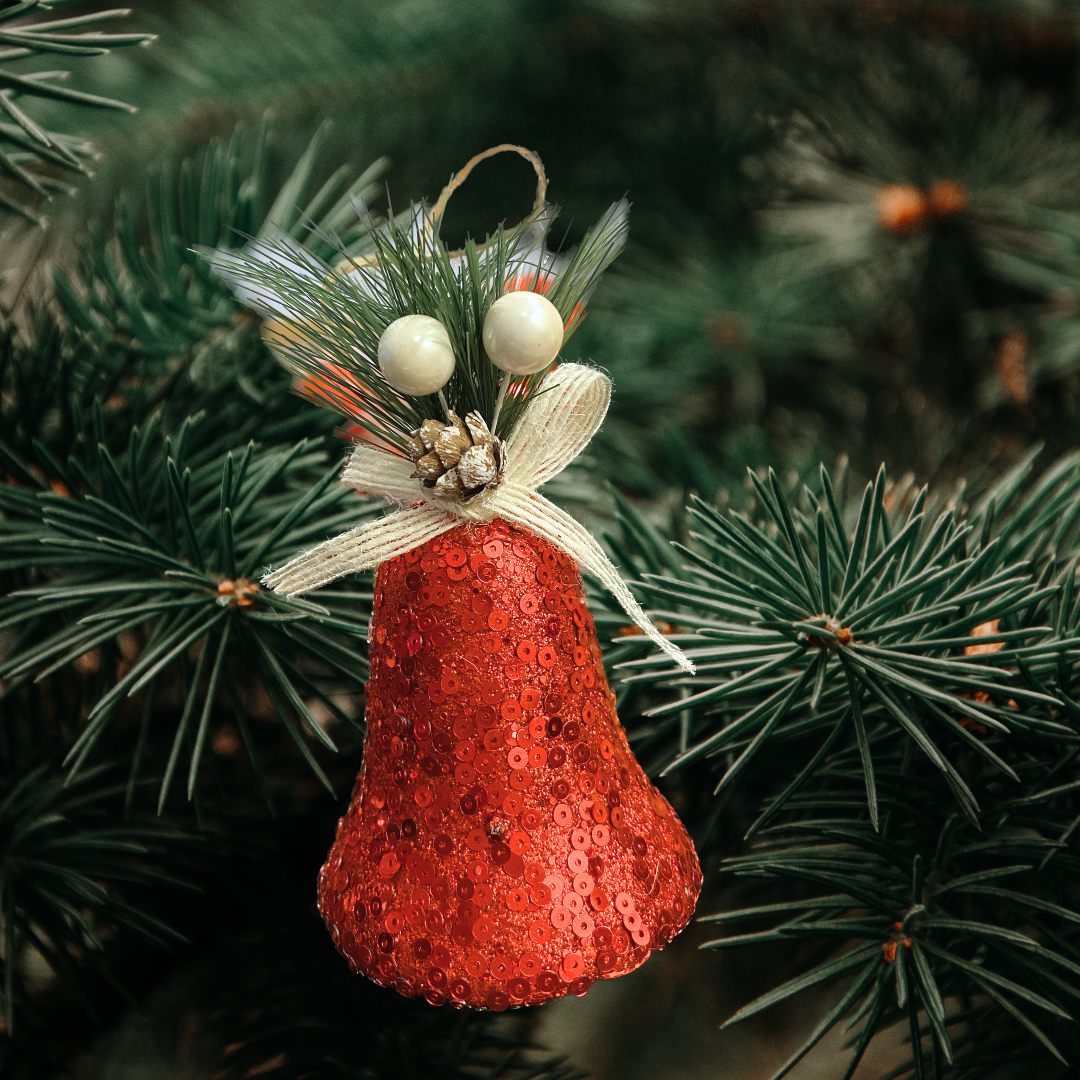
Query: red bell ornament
[(503, 846)]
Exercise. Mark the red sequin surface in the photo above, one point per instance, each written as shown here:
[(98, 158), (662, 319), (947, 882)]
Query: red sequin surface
[(503, 846)]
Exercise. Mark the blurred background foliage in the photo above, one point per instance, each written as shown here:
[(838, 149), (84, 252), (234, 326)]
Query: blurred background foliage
[(855, 235), (860, 219)]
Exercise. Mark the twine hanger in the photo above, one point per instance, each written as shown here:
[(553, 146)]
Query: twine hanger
[(459, 178)]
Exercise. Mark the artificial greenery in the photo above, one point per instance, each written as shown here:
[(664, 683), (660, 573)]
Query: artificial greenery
[(169, 554), (326, 322)]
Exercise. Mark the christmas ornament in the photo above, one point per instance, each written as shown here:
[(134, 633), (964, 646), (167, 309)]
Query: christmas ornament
[(415, 355), (523, 332), (502, 846)]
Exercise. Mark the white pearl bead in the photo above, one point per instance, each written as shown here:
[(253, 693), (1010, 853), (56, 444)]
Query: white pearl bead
[(415, 355), (523, 332)]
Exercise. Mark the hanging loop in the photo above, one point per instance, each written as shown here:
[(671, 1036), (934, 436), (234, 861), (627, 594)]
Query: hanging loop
[(462, 175)]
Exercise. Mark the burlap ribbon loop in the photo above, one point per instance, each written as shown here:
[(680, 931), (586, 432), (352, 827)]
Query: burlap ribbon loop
[(564, 414)]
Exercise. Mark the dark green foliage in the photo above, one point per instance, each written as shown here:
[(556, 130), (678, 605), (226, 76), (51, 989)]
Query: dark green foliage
[(767, 314), (27, 150), (68, 864), (914, 113), (923, 845), (147, 330), (139, 545)]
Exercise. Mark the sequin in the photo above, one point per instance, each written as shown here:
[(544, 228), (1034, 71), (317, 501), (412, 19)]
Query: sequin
[(573, 964), (582, 925), (520, 780), (583, 884), (540, 895), (476, 965)]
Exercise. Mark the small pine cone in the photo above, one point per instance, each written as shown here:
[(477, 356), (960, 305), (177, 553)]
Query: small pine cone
[(458, 459), (429, 467)]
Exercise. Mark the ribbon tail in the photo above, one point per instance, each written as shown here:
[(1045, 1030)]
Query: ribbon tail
[(533, 512), (362, 548)]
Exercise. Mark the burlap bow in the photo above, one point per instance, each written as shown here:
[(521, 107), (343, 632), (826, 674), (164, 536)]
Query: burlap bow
[(561, 418)]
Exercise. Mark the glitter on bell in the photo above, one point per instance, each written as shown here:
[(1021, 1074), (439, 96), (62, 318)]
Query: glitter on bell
[(503, 846)]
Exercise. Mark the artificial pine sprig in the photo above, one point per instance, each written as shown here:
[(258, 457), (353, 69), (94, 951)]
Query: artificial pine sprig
[(326, 323), (927, 882), (931, 913)]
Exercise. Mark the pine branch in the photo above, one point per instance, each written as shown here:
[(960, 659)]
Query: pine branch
[(152, 561), (24, 145), (69, 865), (918, 832)]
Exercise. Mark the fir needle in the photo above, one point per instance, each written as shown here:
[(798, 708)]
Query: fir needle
[(499, 401), (446, 408)]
